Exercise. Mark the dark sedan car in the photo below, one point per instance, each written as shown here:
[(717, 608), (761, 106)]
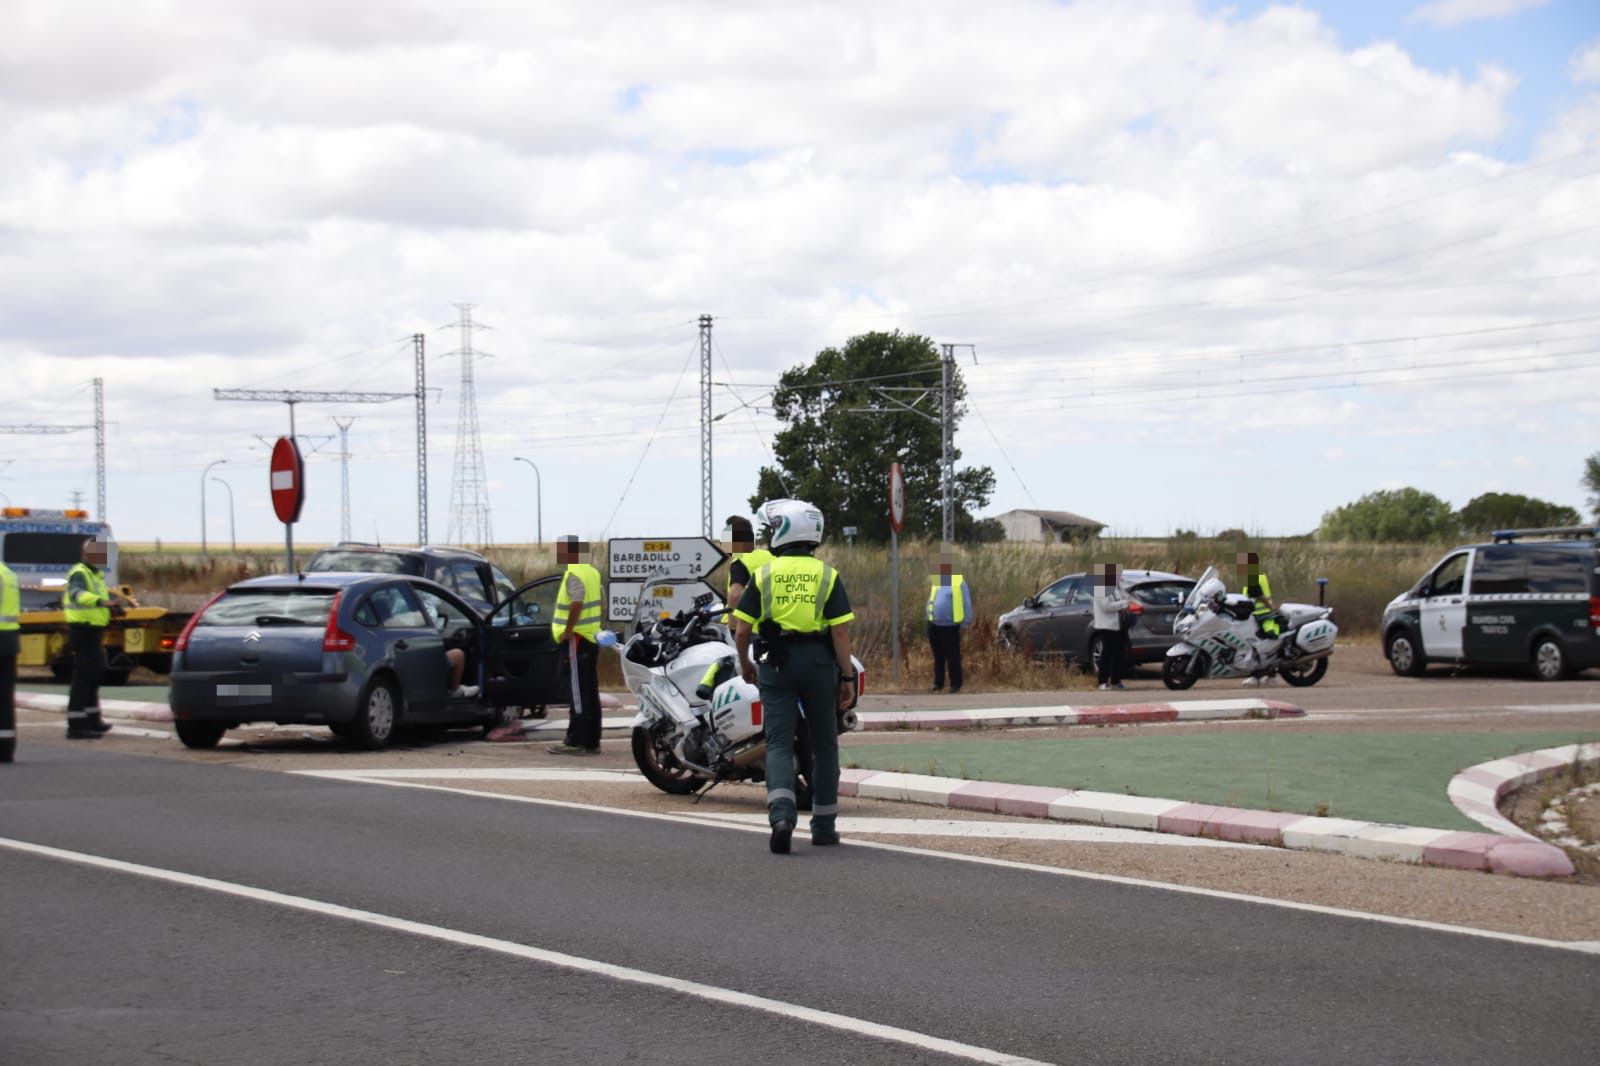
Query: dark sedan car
[(461, 570), (360, 653), (1059, 619)]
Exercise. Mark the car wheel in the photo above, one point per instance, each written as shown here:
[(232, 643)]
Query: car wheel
[(113, 678), (1097, 651), (1404, 657), (1305, 674), (377, 715), (1549, 659), (61, 669), (200, 734), (1007, 639)]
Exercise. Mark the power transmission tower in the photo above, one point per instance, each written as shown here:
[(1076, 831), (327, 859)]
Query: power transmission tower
[(99, 427), (469, 487), (705, 426), (418, 343), (344, 476)]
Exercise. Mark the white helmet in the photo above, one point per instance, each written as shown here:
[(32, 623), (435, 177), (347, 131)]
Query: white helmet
[(791, 522)]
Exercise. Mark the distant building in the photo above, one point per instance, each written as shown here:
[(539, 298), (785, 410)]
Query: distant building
[(1054, 527)]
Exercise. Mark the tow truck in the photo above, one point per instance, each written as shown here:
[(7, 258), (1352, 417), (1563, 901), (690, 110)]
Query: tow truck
[(41, 546)]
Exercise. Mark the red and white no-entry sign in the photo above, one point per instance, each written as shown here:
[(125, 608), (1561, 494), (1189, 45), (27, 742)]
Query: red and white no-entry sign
[(288, 480)]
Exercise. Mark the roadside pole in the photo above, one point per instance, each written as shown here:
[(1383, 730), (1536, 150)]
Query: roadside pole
[(897, 519), (288, 485)]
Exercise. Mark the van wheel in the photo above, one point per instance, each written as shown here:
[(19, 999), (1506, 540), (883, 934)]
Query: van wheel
[(377, 716), (200, 735), (1549, 659), (1401, 651)]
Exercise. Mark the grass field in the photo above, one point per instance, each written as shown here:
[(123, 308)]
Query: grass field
[(1384, 777), (1361, 579)]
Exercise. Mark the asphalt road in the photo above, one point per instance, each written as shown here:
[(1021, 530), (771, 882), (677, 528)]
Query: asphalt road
[(103, 966)]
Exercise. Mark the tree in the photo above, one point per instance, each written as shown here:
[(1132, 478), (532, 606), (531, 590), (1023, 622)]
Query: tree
[(1508, 510), (838, 458), (1591, 482), (1392, 515)]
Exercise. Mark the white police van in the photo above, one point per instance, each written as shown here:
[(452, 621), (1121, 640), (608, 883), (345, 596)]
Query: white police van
[(1531, 597)]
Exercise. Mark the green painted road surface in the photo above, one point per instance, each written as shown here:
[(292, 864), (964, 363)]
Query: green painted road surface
[(146, 693), (1379, 777)]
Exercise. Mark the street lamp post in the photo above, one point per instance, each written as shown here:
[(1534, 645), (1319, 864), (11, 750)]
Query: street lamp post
[(203, 473), (538, 496), (233, 541)]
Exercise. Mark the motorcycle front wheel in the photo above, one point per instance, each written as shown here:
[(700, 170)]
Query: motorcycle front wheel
[(671, 779), (1175, 672), (1304, 674)]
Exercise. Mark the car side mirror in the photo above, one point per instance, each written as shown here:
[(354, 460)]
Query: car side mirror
[(1030, 602)]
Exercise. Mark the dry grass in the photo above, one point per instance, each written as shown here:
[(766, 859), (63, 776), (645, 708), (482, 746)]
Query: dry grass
[(1362, 578)]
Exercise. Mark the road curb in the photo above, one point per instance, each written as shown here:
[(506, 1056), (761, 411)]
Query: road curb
[(139, 710), (1490, 852), (1089, 714), (1477, 791)]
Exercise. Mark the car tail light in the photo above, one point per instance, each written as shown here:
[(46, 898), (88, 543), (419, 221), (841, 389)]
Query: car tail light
[(1594, 612), (182, 643), (861, 683), (334, 638)]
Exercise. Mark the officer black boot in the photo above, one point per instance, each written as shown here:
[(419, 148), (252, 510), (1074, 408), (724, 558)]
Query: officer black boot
[(98, 724), (80, 729), (8, 750), (779, 843)]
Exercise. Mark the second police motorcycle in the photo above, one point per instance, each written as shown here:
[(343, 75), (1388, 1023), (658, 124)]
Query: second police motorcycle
[(1218, 637)]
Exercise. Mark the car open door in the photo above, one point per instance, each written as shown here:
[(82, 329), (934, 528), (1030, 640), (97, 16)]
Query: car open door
[(521, 660)]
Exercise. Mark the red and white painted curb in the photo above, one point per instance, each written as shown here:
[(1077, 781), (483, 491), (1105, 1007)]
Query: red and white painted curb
[(1107, 714), (1477, 791), (1492, 852), (138, 710)]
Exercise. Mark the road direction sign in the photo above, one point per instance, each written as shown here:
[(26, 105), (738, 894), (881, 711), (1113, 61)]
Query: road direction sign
[(662, 597), (288, 480), (897, 498), (679, 558)]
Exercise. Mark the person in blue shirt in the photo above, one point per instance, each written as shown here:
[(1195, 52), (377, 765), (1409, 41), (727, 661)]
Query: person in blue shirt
[(949, 612)]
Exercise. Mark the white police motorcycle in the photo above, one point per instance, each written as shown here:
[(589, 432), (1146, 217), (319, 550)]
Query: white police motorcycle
[(1217, 637), (694, 731)]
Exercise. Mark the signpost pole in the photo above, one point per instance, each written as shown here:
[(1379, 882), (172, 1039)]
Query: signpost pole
[(288, 527), (894, 601)]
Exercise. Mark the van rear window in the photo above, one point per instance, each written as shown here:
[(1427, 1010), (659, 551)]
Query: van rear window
[(1556, 572)]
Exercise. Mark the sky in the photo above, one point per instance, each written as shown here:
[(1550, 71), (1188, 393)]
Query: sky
[(1218, 264)]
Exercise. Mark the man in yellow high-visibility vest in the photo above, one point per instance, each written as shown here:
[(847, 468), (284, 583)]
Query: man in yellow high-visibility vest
[(10, 623), (949, 612), (88, 605), (746, 557), (576, 626)]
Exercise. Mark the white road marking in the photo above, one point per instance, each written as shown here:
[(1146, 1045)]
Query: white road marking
[(941, 827), (1587, 946), (626, 974), (1555, 708), (506, 773)]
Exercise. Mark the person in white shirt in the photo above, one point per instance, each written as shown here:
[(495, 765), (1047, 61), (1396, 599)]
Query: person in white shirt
[(1109, 603)]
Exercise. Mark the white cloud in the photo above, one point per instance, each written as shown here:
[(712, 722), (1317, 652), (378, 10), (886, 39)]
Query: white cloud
[(1141, 212), (1447, 13), (1585, 64)]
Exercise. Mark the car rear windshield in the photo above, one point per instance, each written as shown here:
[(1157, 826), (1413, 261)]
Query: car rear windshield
[(270, 607), (362, 562), (1161, 593)]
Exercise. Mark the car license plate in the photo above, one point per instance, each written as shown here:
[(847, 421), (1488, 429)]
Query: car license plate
[(244, 693)]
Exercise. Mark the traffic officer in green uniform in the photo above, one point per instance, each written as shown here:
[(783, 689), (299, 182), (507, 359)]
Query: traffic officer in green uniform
[(88, 605), (10, 623), (796, 606), (577, 622)]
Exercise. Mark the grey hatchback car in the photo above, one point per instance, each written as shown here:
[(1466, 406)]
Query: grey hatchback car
[(359, 653), (1059, 619)]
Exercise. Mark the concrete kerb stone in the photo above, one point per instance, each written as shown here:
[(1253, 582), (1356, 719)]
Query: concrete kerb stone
[(1105, 714), (1477, 791)]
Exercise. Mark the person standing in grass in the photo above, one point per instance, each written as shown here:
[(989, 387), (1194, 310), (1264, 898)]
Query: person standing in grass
[(1109, 603), (949, 612)]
